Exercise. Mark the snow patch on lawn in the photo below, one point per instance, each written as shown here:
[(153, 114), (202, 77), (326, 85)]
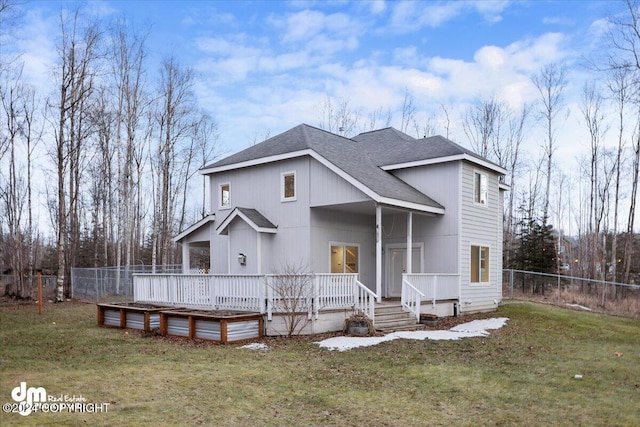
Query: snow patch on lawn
[(256, 346), (582, 307), (476, 328)]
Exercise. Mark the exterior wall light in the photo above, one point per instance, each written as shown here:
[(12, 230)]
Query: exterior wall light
[(242, 259)]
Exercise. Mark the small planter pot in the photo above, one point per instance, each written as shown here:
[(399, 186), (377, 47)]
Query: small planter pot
[(357, 328), (429, 319)]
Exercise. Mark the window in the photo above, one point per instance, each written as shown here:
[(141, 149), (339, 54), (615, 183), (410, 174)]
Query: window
[(480, 188), (288, 192), (225, 196), (479, 264), (344, 259)]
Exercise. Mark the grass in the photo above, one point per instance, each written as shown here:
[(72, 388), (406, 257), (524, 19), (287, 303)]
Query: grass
[(522, 374)]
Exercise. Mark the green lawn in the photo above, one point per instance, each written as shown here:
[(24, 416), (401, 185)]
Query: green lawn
[(522, 374)]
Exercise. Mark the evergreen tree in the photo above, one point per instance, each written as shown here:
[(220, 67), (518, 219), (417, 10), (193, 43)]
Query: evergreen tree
[(536, 249)]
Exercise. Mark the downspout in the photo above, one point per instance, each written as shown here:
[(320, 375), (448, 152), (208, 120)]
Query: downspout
[(379, 253)]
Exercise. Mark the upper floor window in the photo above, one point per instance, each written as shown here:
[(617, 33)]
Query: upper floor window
[(225, 196), (288, 192), (480, 188)]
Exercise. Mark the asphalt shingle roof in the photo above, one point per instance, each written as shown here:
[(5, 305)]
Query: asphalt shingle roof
[(257, 218), (361, 157)]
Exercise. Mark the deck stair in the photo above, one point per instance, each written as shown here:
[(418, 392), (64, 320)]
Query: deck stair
[(390, 317)]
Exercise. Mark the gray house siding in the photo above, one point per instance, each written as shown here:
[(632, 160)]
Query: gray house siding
[(259, 187), (337, 227), (440, 234), (328, 188), (479, 226), (243, 240), (302, 239)]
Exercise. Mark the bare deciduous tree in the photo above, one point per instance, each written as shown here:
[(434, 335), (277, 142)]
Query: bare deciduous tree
[(377, 119), (408, 111), (78, 52), (598, 174), (622, 55), (619, 86), (341, 119), (291, 291), (482, 123), (174, 124), (550, 82)]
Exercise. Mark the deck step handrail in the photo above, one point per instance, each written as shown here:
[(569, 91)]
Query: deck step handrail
[(411, 298), (366, 301)]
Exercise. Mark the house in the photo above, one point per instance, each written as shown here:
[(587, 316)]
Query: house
[(408, 218)]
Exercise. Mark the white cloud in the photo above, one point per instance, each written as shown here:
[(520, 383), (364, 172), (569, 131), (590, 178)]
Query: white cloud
[(491, 11), (37, 48), (410, 15), (377, 6)]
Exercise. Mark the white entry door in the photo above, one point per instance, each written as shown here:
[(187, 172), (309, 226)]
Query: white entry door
[(398, 265)]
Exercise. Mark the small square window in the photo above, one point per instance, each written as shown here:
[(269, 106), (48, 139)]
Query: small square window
[(288, 186), (225, 195)]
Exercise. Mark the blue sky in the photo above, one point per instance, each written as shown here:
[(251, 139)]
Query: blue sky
[(265, 66)]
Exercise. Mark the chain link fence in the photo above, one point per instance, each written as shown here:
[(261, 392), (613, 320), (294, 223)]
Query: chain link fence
[(575, 292), (112, 284), (8, 286)]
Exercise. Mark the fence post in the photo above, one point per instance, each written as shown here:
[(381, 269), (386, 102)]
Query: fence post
[(511, 284)]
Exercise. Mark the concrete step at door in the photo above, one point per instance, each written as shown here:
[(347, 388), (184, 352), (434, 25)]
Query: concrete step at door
[(389, 318)]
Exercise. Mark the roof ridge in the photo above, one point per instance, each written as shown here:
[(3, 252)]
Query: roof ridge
[(325, 131)]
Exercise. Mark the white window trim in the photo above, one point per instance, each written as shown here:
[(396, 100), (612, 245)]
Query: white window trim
[(481, 245), (295, 187), (486, 177), (220, 205), (357, 245)]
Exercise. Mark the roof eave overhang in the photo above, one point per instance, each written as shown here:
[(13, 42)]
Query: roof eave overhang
[(194, 227), (458, 157), (255, 162), (351, 180), (411, 206)]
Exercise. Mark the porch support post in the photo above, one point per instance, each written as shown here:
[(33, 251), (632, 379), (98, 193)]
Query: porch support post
[(379, 252), (229, 252), (186, 260), (212, 234), (409, 243), (259, 251)]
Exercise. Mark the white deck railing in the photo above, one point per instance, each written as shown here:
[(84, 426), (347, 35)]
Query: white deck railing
[(258, 293), (435, 287), (428, 287), (238, 292)]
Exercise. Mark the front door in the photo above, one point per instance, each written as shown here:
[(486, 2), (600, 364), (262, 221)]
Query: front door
[(398, 265)]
